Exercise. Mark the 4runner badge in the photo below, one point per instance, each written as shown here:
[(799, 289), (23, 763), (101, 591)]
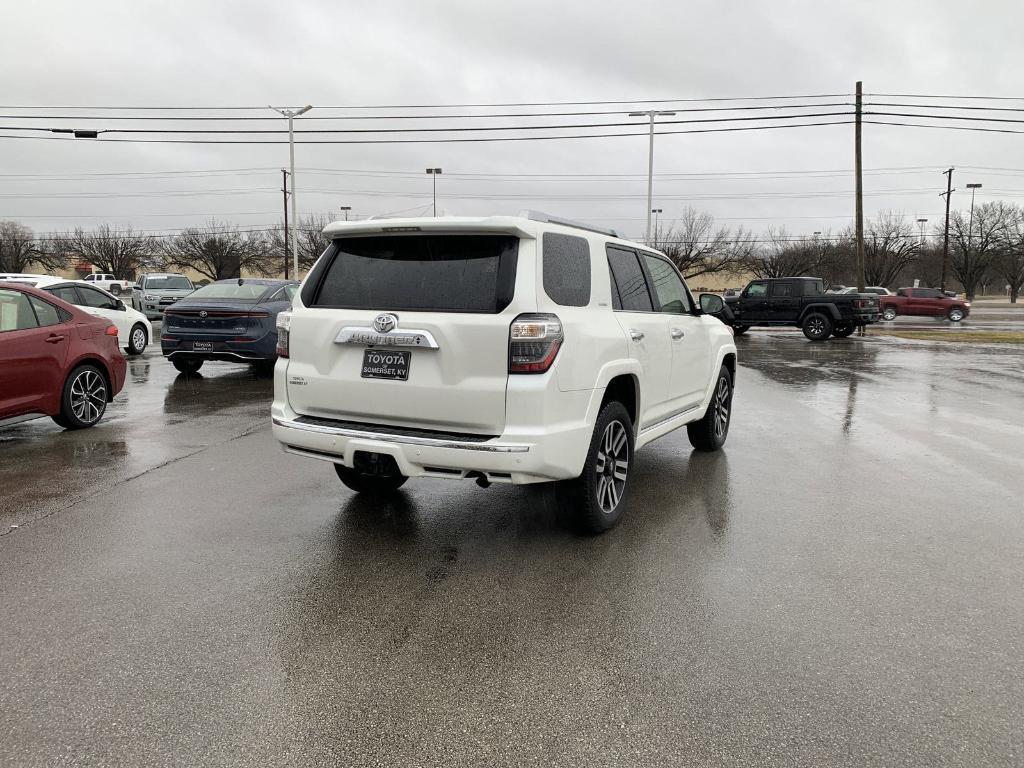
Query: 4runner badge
[(385, 323)]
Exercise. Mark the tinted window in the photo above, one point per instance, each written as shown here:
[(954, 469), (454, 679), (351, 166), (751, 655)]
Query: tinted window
[(629, 281), (15, 312), (567, 269), (93, 298), (757, 290), (780, 290), (669, 291), (230, 289), (928, 293), (430, 273), (290, 291), (46, 314), (66, 293)]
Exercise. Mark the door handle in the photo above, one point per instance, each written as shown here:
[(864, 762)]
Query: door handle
[(54, 338), (677, 334), (635, 335)]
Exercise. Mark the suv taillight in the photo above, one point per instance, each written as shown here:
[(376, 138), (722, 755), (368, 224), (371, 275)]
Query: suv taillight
[(533, 343), (283, 324)]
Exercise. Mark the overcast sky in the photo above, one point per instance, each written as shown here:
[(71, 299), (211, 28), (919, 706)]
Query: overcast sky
[(333, 54)]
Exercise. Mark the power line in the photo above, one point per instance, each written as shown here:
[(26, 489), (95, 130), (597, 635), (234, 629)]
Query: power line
[(943, 127), (456, 129), (944, 117), (944, 96), (474, 139)]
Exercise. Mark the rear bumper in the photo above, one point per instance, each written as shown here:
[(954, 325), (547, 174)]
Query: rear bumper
[(520, 460), (264, 348)]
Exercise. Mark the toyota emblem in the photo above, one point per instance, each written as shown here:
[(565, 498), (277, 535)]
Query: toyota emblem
[(385, 322), (203, 313)]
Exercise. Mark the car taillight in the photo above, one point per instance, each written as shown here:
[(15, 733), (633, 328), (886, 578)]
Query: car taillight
[(533, 343), (283, 324), (112, 331)]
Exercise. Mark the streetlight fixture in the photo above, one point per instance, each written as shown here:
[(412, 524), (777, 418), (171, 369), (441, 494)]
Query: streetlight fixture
[(651, 113), (345, 209), (291, 114), (656, 211), (434, 173)]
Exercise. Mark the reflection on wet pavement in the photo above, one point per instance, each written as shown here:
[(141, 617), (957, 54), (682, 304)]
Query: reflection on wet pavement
[(839, 586)]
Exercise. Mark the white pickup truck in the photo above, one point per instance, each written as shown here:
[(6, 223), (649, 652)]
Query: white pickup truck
[(109, 283)]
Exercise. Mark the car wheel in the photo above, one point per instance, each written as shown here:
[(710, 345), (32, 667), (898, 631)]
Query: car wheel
[(596, 499), (187, 365), (710, 432), (956, 314), (373, 484), (84, 398), (115, 289), (889, 313), (137, 340), (817, 327), (842, 331), (739, 330)]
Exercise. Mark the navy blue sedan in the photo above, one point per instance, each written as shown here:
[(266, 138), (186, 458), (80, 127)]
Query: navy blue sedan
[(230, 320)]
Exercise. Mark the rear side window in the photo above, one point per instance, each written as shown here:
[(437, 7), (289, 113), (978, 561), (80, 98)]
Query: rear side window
[(46, 313), (780, 290), (566, 269), (429, 273), (629, 281), (15, 312), (66, 293)]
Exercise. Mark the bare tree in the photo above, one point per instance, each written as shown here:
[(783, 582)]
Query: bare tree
[(697, 246), (890, 245), (784, 256), (219, 251), (311, 241), (1009, 261), (976, 247), (120, 252), (19, 248)]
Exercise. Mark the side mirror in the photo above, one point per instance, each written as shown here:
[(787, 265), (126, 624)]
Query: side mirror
[(119, 306), (711, 303), (137, 287)]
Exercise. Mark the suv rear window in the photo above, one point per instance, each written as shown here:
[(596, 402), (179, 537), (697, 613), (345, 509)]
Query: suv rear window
[(429, 273)]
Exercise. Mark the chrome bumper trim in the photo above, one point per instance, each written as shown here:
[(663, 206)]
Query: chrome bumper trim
[(386, 438)]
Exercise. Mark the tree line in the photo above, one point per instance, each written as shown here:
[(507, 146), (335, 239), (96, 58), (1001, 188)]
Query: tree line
[(986, 250)]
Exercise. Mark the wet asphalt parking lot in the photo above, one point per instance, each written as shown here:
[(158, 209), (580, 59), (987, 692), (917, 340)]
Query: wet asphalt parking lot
[(842, 585)]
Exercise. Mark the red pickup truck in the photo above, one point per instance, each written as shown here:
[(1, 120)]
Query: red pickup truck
[(923, 301)]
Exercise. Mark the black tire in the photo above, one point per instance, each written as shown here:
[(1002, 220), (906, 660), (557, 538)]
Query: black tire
[(137, 339), (263, 367), (955, 314), (373, 484), (596, 500), (115, 289), (817, 327), (739, 330), (842, 331), (84, 398), (889, 313), (187, 365), (710, 432)]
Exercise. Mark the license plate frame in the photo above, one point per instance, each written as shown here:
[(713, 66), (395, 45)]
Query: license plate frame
[(390, 364), (202, 346)]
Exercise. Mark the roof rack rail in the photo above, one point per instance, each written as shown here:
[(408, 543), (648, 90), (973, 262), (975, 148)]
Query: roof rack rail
[(549, 219)]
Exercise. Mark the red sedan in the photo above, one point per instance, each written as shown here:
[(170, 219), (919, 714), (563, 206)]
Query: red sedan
[(55, 359)]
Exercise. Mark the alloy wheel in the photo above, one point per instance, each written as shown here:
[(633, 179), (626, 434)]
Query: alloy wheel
[(721, 407), (138, 339), (612, 466), (956, 315), (816, 326), (88, 396)]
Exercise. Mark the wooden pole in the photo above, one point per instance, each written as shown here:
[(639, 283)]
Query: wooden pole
[(860, 193)]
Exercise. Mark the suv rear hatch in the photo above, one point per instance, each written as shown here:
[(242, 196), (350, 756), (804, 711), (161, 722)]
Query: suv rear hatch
[(408, 330)]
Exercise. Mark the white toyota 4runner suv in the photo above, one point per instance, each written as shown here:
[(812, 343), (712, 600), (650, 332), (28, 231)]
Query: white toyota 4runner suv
[(505, 349)]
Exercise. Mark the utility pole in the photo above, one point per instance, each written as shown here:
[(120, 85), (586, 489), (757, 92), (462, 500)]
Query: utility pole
[(859, 193), (284, 189), (291, 114), (945, 236), (651, 113)]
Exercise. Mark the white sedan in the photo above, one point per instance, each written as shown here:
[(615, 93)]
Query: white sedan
[(134, 331)]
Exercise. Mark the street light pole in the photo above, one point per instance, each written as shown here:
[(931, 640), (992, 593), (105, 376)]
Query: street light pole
[(651, 113), (656, 211), (434, 173), (345, 209), (921, 223), (970, 226), (291, 114)]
